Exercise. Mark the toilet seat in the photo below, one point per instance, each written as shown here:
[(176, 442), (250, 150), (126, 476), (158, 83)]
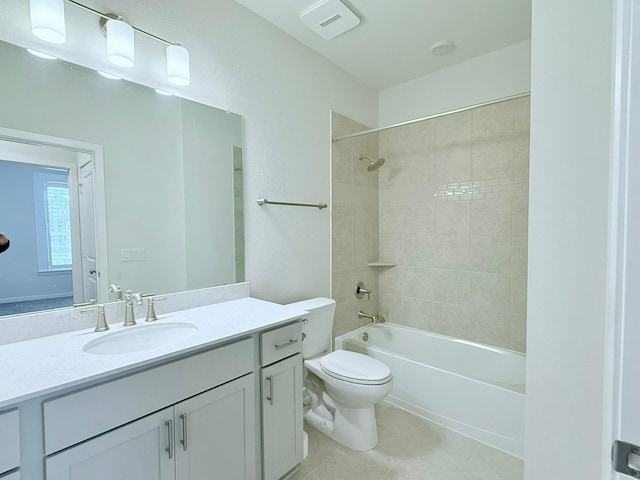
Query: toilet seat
[(355, 368)]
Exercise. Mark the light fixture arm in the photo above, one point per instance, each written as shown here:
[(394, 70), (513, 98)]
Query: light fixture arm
[(109, 16), (48, 24)]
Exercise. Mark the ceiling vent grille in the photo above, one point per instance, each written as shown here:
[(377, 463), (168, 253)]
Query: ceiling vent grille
[(329, 18)]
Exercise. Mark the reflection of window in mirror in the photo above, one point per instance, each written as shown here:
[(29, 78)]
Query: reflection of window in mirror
[(53, 220)]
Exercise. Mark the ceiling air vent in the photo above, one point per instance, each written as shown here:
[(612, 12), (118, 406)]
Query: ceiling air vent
[(329, 18)]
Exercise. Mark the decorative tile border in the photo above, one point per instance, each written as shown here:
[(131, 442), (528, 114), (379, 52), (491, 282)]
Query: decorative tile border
[(482, 189)]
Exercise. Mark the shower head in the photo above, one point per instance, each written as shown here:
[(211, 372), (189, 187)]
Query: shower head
[(374, 165)]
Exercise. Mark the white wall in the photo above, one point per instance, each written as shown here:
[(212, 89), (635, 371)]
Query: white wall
[(571, 90), (283, 90), (499, 74)]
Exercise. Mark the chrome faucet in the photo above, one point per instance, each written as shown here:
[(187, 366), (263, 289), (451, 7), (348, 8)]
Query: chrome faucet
[(373, 318), (129, 315)]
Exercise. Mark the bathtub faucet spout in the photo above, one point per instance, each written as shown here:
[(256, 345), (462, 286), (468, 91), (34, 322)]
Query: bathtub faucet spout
[(373, 318)]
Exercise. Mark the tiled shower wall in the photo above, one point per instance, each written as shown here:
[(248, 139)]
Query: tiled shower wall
[(354, 223), (453, 215)]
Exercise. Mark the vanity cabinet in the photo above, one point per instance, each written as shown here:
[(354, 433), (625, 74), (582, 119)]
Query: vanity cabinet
[(191, 413), (10, 435), (282, 419), (211, 432), (164, 423)]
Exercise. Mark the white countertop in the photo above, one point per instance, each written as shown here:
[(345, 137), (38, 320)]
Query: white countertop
[(44, 365)]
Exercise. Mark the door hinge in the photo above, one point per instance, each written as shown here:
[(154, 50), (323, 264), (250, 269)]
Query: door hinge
[(620, 453)]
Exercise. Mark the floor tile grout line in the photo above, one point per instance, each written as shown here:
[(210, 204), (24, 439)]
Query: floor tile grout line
[(327, 458), (470, 459)]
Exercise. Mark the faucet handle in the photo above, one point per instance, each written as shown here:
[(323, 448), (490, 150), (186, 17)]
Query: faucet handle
[(101, 325), (360, 291), (151, 311)]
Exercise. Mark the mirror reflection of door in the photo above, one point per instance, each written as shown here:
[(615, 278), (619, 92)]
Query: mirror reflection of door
[(46, 210), (87, 245)]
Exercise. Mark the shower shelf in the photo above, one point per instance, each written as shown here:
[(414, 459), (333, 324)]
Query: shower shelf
[(381, 264)]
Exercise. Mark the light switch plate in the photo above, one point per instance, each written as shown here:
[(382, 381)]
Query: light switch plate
[(133, 254)]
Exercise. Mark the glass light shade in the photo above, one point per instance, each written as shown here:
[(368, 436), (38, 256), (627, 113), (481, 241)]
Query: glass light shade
[(120, 50), (178, 66), (47, 20)]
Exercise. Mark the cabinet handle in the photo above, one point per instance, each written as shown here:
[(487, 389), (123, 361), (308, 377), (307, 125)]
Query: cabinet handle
[(290, 342), (270, 396), (183, 417), (169, 449)]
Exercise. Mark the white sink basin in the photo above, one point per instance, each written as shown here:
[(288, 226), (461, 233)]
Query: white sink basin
[(138, 338)]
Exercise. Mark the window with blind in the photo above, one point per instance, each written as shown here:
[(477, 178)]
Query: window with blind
[(53, 220)]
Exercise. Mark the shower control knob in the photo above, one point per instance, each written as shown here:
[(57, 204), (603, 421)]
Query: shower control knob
[(360, 291)]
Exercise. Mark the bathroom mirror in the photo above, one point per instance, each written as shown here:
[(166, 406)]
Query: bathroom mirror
[(166, 192)]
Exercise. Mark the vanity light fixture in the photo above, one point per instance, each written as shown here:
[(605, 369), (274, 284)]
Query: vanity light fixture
[(178, 65), (47, 23), (120, 49), (40, 54), (47, 20)]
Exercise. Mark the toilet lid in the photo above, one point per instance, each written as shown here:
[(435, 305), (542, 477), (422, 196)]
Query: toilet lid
[(355, 368)]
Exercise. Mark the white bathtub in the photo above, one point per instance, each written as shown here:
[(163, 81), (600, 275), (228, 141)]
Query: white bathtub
[(474, 389)]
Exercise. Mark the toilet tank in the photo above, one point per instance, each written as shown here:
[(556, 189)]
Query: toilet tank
[(319, 325)]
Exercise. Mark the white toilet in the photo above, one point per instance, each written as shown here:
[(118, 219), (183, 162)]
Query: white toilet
[(343, 385)]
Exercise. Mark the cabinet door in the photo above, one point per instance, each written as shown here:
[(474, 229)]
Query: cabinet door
[(10, 443), (215, 433), (136, 451), (282, 417)]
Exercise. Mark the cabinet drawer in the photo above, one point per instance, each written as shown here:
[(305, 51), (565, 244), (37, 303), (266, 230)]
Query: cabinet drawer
[(10, 435), (280, 343), (81, 415)]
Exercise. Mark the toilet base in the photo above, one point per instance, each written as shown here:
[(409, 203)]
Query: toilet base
[(353, 427)]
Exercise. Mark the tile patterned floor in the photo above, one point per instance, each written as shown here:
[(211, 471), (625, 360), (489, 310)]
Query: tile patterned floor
[(410, 448)]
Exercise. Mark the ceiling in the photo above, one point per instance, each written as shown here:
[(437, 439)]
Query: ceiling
[(391, 44)]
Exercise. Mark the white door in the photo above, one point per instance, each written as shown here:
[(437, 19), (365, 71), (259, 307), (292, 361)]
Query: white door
[(87, 233), (627, 421), (137, 451), (215, 433)]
